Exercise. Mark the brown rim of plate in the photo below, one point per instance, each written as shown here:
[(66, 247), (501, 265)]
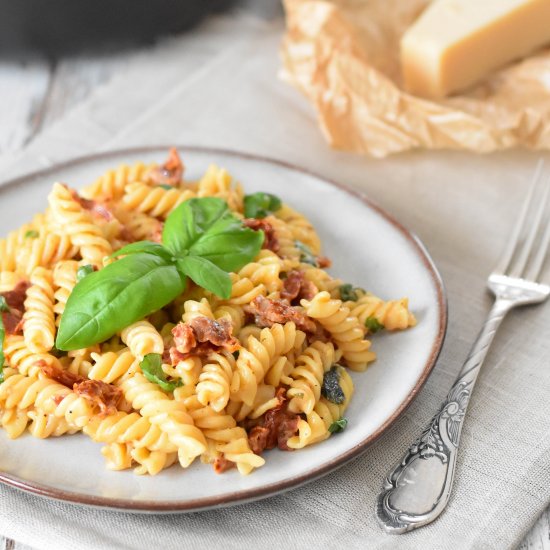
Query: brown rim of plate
[(241, 497)]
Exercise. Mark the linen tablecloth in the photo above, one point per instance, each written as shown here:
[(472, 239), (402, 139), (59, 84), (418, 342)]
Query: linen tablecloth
[(218, 87)]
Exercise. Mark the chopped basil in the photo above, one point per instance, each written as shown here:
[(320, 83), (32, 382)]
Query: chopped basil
[(165, 186), (373, 324), (4, 305), (151, 366), (306, 255), (331, 388), (338, 425), (83, 270), (260, 205), (31, 234)]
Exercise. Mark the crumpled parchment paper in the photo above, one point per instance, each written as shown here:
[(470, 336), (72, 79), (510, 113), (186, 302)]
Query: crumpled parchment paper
[(344, 56)]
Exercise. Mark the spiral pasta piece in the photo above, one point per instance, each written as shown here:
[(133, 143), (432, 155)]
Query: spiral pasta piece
[(14, 421), (133, 428), (111, 366), (79, 225), (315, 427), (10, 246), (45, 250), (243, 290), (266, 271), (391, 315), (214, 383), (9, 279), (301, 228), (258, 355), (43, 425), (39, 318), (169, 415), (155, 201), (307, 376), (345, 329), (110, 186), (217, 182), (20, 357), (64, 280), (285, 239), (142, 338), (228, 439)]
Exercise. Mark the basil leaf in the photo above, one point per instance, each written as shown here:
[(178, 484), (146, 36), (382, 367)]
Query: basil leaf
[(190, 221), (373, 324), (306, 255), (165, 186), (338, 425), (4, 308), (82, 271), (120, 294), (148, 247), (207, 275), (260, 205), (232, 247), (331, 388), (31, 234), (151, 366), (205, 227)]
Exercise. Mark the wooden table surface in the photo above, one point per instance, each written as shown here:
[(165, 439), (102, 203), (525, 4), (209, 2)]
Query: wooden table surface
[(38, 93)]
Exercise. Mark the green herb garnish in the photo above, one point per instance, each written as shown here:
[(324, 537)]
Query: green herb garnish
[(306, 255), (331, 388), (260, 205), (201, 240), (82, 271), (338, 425), (4, 308), (151, 366), (31, 234), (165, 186), (349, 293), (373, 324)]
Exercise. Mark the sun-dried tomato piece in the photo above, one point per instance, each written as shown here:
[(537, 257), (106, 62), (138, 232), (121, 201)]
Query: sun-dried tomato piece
[(171, 172), (270, 241), (200, 337), (267, 312), (296, 287), (64, 377), (275, 428), (105, 396)]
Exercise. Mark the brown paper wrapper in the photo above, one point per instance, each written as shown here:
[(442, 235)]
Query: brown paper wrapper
[(344, 56)]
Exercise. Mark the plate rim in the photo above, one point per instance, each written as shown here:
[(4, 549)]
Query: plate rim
[(243, 496)]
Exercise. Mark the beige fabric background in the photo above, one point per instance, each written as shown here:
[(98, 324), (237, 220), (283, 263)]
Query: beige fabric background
[(218, 87)]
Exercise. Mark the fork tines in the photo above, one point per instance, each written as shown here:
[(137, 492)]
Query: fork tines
[(528, 244)]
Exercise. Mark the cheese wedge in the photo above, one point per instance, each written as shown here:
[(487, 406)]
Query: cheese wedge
[(455, 43)]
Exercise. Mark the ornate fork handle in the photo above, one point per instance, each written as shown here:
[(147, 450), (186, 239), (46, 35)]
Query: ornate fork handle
[(418, 488)]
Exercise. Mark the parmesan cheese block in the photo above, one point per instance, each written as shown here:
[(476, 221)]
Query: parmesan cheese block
[(455, 43)]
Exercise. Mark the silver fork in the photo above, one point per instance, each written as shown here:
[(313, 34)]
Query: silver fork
[(417, 490)]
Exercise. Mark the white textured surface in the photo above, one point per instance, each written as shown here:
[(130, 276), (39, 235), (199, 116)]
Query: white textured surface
[(460, 205)]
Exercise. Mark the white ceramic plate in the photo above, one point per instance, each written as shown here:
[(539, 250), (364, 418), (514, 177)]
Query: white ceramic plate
[(368, 248)]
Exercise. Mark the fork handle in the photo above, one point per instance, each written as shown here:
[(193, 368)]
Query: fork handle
[(417, 490)]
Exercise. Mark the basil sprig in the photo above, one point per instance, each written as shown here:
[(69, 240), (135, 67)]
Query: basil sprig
[(201, 240), (3, 309), (151, 366), (260, 205)]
